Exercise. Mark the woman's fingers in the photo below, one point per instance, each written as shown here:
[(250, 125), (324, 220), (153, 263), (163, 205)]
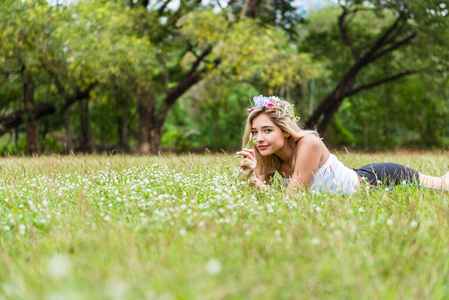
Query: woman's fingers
[(247, 154), (248, 163)]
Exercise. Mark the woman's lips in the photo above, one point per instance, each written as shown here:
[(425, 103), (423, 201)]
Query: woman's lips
[(263, 147)]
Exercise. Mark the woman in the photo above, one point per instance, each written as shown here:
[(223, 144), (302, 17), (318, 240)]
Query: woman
[(302, 159)]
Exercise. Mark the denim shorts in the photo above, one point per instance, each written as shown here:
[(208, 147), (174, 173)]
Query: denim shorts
[(387, 174)]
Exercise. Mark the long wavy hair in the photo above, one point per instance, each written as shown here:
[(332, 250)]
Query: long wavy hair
[(282, 116)]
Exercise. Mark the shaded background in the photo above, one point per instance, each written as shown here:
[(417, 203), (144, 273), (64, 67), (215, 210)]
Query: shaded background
[(146, 76)]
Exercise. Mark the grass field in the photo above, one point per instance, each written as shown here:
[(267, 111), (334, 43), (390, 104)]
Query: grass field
[(185, 227)]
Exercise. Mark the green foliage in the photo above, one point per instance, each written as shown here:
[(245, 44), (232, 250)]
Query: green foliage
[(410, 113), (217, 111), (406, 112)]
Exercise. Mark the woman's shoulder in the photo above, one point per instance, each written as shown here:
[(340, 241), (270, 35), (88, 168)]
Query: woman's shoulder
[(310, 140), (312, 146)]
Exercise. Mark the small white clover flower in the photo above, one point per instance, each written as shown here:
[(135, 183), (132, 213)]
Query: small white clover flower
[(413, 224), (213, 266), (315, 241), (390, 222), (22, 228), (59, 265)]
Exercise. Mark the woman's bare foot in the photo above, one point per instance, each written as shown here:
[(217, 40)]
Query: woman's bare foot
[(439, 183)]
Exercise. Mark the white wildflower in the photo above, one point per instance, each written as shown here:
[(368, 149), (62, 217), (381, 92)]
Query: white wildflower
[(59, 265), (213, 266), (22, 228)]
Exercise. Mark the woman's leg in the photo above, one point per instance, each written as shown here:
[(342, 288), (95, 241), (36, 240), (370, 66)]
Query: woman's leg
[(387, 174), (439, 183)]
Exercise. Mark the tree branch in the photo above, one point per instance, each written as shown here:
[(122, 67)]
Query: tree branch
[(344, 32), (381, 41), (255, 5), (190, 78), (78, 96), (166, 74), (244, 9), (399, 44), (198, 61), (163, 7), (18, 117), (379, 82)]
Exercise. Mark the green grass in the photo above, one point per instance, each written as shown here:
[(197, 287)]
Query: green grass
[(122, 227)]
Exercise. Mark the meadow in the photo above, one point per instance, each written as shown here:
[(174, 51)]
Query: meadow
[(186, 227)]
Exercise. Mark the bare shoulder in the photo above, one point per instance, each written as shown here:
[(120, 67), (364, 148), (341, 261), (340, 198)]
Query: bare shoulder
[(312, 149), (311, 142)]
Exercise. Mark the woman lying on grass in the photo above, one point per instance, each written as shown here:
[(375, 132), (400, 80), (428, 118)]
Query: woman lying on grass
[(274, 142)]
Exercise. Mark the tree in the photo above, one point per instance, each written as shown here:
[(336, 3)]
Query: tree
[(24, 40), (144, 57), (416, 24), (194, 42)]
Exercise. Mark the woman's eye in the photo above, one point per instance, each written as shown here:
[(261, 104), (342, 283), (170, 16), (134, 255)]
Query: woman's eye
[(253, 132), (267, 130)]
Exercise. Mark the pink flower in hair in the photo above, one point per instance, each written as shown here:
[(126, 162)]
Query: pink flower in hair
[(261, 101)]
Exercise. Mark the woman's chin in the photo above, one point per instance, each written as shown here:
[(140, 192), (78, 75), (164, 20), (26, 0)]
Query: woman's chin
[(264, 152)]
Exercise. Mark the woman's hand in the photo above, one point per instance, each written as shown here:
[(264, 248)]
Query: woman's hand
[(248, 163)]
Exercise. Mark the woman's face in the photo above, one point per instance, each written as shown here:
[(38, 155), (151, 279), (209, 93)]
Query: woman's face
[(270, 138)]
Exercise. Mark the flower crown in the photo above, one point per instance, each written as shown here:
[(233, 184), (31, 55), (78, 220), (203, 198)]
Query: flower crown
[(272, 103)]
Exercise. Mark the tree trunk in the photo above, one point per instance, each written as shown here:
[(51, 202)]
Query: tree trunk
[(123, 135), (32, 128), (156, 125), (122, 126), (144, 129), (85, 141), (330, 105), (151, 120), (69, 146), (150, 127)]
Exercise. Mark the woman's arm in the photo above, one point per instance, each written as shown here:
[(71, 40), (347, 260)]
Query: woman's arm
[(309, 153)]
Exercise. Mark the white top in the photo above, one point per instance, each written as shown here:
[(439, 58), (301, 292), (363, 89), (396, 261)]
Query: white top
[(333, 177)]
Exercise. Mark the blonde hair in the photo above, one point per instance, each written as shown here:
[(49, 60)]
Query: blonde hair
[(282, 116)]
